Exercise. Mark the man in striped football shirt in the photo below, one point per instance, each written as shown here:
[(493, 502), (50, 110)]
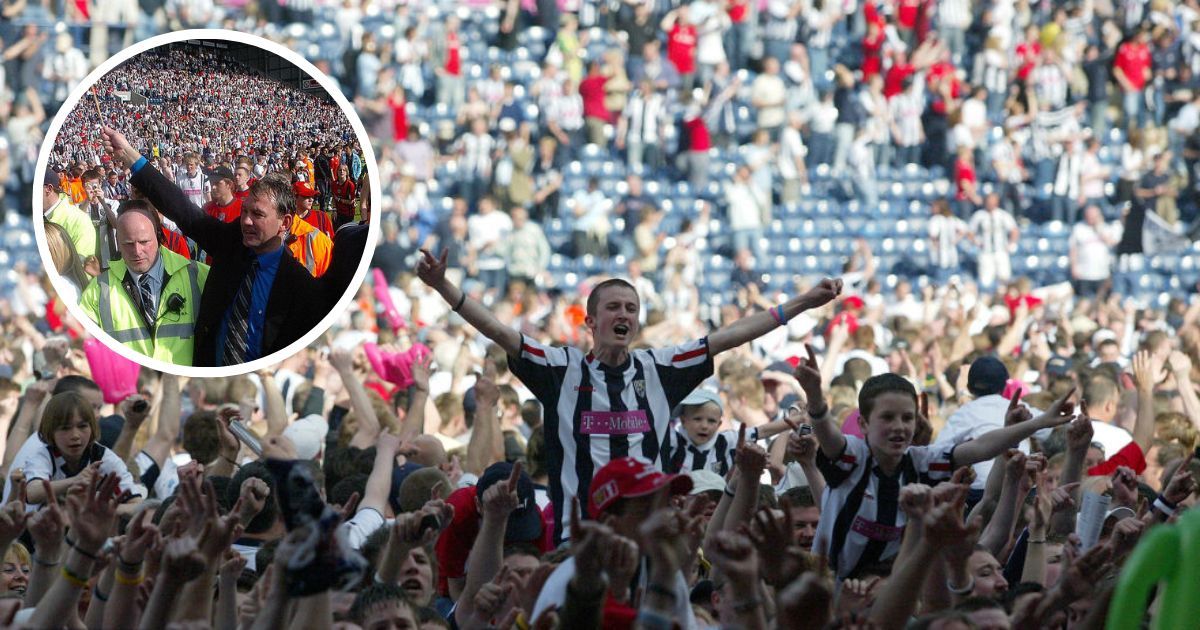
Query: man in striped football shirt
[(611, 402)]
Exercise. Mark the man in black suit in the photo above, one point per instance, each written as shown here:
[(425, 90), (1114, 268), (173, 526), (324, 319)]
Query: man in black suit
[(258, 298)]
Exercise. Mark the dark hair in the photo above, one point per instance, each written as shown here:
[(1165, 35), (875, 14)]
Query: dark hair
[(341, 491), (376, 594), (91, 174), (428, 615), (1024, 588), (593, 301), (201, 437), (74, 383), (279, 188), (270, 512), (877, 386), (341, 463), (522, 549), (535, 453), (799, 496)]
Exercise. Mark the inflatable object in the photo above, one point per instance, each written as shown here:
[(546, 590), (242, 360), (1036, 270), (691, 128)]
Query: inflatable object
[(116, 375), (1167, 558)]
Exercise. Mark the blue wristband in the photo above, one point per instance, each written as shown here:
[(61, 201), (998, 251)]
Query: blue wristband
[(137, 166)]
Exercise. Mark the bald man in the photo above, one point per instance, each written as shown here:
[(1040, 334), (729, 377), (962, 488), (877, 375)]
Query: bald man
[(147, 301)]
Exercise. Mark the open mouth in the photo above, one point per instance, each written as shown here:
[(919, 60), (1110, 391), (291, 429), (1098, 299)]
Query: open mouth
[(898, 441), (621, 329), (413, 585)]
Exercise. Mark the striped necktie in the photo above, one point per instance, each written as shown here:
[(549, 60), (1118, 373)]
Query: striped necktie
[(147, 299), (237, 339)]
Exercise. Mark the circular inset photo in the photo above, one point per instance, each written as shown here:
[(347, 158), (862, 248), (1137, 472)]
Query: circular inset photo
[(206, 203)]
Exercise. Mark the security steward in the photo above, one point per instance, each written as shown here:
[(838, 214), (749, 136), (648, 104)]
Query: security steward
[(149, 299), (307, 244)]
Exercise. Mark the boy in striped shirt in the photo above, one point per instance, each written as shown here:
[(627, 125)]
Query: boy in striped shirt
[(861, 523)]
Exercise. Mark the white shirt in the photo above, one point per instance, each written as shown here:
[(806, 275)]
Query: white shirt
[(992, 229), (1093, 256), (972, 420), (1112, 437), (36, 461)]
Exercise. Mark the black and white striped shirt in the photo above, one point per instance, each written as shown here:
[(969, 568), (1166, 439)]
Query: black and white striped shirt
[(861, 521), (681, 455), (595, 413)]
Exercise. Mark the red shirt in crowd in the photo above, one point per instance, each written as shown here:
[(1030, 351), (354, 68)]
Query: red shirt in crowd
[(343, 197), (1027, 56), (176, 242), (698, 134), (738, 10), (906, 13), (228, 213), (399, 117), (453, 56), (681, 48), (454, 544), (591, 90), (1133, 58), (893, 81), (872, 48), (964, 172), (321, 221)]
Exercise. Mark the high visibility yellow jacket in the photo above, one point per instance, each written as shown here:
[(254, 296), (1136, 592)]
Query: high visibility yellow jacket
[(310, 247), (170, 338), (77, 224)]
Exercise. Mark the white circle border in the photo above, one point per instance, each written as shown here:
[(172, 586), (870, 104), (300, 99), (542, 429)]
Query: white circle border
[(347, 109)]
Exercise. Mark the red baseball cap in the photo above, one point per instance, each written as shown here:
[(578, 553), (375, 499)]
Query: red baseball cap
[(628, 478), (302, 189)]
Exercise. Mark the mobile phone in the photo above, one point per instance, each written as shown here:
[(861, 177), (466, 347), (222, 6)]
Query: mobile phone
[(805, 429)]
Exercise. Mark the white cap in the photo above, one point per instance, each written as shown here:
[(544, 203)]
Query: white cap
[(705, 481), (308, 435)]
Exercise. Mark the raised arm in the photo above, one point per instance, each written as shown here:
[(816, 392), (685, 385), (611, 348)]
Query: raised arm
[(750, 328), (418, 396), (368, 422), (432, 271), (486, 446), (1145, 370), (210, 233), (274, 408), (135, 409), (487, 554), (993, 443), (158, 447), (829, 435)]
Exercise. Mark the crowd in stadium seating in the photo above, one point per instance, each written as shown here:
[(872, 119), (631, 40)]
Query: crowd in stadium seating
[(720, 157)]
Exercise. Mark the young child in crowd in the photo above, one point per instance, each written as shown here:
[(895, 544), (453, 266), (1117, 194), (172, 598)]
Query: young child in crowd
[(697, 443)]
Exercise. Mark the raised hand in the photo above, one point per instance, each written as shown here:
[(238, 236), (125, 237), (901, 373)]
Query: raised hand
[(1061, 411), (421, 372), (808, 374), (253, 497), (750, 458), (501, 499), (915, 500), (1182, 483), (803, 449), (664, 530), (588, 541), (1125, 487), (432, 271), (1144, 373), (232, 567), (141, 535), (772, 534), (492, 596), (182, 561), (825, 292), (735, 556), (1080, 575), (91, 510), (620, 562), (1080, 432), (48, 525), (1016, 412), (341, 359), (1125, 535), (12, 515)]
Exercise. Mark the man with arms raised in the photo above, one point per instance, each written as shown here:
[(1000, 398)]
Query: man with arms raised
[(258, 299), (610, 402)]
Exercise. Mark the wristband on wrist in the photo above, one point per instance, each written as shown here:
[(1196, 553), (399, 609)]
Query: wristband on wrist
[(73, 578), (43, 563), (129, 580), (729, 491), (820, 412), (1163, 505), (461, 301), (1035, 542), (129, 568), (86, 554), (961, 591), (98, 595)]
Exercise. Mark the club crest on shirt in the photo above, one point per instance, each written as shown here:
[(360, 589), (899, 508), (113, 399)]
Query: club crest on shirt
[(639, 386)]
